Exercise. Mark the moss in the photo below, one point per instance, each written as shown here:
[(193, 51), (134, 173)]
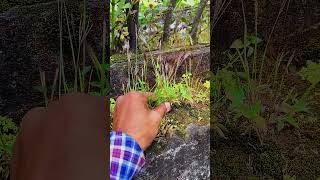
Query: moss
[(243, 156), (304, 161), (122, 57), (176, 122), (182, 116), (269, 163), (230, 163)]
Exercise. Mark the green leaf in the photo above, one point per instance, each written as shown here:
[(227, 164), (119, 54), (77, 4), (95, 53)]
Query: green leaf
[(311, 72), (291, 121), (184, 20), (127, 6), (237, 44), (251, 111), (300, 106), (96, 84), (254, 39), (105, 67)]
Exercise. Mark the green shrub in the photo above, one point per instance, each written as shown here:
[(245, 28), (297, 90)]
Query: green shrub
[(8, 131), (311, 73), (237, 86)]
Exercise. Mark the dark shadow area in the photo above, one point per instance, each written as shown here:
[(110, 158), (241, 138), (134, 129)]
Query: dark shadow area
[(265, 89), (48, 48)]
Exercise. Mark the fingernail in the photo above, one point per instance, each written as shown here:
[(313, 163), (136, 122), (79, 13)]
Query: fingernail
[(168, 106)]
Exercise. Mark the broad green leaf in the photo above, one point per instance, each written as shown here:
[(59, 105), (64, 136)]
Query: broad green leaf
[(237, 44), (291, 121), (300, 106), (127, 6), (251, 111), (254, 39), (311, 72)]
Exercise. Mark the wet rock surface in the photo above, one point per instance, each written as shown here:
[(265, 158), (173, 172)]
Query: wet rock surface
[(181, 158)]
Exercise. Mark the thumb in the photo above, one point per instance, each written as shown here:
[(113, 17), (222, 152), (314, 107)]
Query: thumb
[(162, 109)]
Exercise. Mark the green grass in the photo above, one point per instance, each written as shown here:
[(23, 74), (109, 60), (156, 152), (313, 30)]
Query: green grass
[(257, 93), (89, 69)]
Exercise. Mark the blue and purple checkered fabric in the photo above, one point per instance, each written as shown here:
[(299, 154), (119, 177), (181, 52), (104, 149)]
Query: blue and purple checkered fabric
[(126, 156)]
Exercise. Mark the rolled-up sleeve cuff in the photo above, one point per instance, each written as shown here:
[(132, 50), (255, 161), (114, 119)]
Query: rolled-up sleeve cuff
[(126, 156)]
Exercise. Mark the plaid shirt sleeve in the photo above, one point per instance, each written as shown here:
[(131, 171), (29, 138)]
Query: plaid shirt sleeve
[(126, 156)]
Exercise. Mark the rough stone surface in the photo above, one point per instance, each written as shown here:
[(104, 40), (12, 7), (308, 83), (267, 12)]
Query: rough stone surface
[(181, 159)]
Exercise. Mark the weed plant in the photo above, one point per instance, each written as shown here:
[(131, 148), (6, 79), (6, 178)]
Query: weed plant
[(251, 92), (84, 69), (167, 88)]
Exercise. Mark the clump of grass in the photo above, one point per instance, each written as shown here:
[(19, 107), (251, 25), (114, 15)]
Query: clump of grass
[(252, 93), (311, 73), (187, 90), (89, 71), (167, 87)]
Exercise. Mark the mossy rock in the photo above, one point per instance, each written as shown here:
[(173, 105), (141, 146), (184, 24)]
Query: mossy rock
[(180, 158), (304, 161), (176, 121), (269, 163), (241, 156)]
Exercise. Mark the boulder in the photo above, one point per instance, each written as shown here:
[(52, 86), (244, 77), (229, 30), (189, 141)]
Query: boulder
[(182, 158)]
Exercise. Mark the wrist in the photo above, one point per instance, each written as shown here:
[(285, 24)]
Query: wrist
[(126, 156)]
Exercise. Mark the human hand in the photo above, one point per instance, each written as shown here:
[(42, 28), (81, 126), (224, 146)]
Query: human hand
[(133, 116), (66, 141)]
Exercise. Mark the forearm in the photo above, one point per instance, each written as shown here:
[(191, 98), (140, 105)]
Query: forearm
[(126, 156)]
